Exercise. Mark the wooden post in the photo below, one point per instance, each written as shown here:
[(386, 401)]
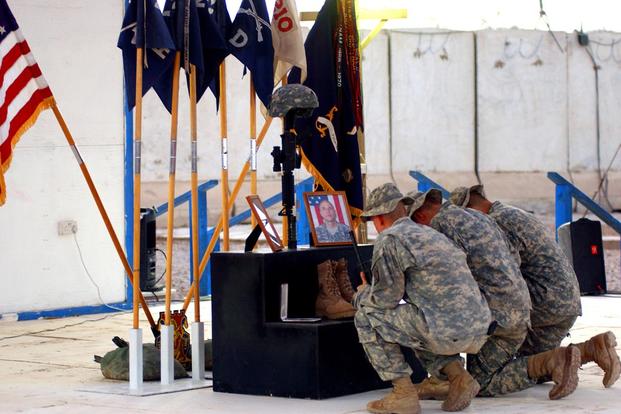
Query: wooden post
[(253, 144), (224, 176), (285, 220), (171, 185), (194, 181), (137, 138)]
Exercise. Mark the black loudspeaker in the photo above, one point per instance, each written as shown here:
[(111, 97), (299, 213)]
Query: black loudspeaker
[(147, 250), (588, 256)]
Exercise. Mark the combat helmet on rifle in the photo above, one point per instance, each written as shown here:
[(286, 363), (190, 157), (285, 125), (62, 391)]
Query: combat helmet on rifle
[(294, 96)]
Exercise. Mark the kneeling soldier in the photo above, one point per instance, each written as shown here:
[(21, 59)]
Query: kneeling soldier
[(422, 296), (551, 280), (497, 272)]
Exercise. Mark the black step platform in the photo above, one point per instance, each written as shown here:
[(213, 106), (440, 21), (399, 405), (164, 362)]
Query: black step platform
[(256, 353)]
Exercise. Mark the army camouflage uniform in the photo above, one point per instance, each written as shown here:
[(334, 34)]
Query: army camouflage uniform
[(551, 280), (341, 234), (497, 273), (444, 312)]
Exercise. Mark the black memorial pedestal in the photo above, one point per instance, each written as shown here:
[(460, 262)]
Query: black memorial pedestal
[(256, 353)]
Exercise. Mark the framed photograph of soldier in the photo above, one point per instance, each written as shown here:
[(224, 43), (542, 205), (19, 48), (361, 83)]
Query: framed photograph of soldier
[(329, 217), (266, 224)]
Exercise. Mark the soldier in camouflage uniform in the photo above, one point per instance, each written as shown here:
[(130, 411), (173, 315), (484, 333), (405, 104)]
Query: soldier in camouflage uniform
[(498, 275), (551, 281), (421, 296)]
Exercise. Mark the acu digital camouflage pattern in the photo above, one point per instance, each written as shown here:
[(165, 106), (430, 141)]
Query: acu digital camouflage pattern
[(460, 196), (383, 200), (444, 312), (497, 273), (340, 234), (551, 280), (292, 96), (490, 261)]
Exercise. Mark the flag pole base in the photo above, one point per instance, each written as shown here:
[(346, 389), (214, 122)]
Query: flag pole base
[(167, 367), (135, 360), (198, 352)]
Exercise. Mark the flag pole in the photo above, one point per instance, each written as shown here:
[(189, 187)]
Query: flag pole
[(194, 183), (135, 334), (102, 210), (231, 200), (253, 143), (198, 329), (171, 184), (285, 221), (137, 142), (167, 334), (224, 176)]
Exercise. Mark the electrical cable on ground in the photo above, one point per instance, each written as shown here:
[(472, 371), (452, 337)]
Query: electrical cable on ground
[(164, 272), (61, 327)]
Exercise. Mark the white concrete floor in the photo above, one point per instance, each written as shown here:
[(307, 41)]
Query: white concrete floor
[(45, 364)]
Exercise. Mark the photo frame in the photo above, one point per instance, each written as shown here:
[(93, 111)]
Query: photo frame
[(329, 217), (267, 226)]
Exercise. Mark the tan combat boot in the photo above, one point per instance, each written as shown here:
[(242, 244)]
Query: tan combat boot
[(432, 388), (401, 400), (342, 279), (462, 387), (601, 350), (561, 364), (329, 302)]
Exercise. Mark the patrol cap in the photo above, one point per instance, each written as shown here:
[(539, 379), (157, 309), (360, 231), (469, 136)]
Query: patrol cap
[(419, 198), (461, 195), (383, 200), (292, 96)]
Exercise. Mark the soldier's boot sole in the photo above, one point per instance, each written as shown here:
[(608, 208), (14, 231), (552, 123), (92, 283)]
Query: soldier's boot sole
[(611, 367), (411, 406), (465, 391), (569, 379)]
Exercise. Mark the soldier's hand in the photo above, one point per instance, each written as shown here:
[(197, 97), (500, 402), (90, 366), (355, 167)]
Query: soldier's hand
[(364, 283)]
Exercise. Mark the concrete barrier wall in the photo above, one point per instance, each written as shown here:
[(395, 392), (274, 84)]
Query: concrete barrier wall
[(432, 87)]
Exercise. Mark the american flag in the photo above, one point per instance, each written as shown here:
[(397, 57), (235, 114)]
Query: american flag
[(24, 93), (338, 201)]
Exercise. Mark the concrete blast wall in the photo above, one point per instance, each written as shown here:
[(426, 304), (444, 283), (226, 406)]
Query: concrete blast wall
[(526, 105)]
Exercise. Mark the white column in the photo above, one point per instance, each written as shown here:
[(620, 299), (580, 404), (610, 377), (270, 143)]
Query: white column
[(167, 350), (198, 352), (135, 360)]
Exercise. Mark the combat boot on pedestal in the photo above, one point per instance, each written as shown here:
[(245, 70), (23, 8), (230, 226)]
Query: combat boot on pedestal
[(329, 302), (401, 400), (462, 387), (601, 350), (561, 364), (432, 388), (342, 279)]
